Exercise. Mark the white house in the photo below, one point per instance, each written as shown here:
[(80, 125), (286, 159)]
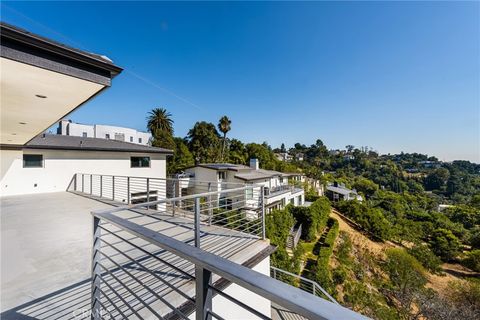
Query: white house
[(278, 191), (69, 128), (337, 192), (48, 163)]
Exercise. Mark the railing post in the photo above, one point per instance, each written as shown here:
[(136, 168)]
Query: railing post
[(128, 190), (91, 184), (96, 272), (174, 196), (262, 189), (148, 192), (210, 210), (101, 186), (197, 222), (83, 183), (203, 294), (113, 187), (75, 182)]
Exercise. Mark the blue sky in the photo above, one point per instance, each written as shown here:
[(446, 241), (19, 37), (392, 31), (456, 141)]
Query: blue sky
[(392, 76)]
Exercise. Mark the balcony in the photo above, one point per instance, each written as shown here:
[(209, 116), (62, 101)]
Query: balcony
[(192, 256)]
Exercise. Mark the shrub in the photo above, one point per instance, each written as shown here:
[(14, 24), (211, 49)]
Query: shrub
[(472, 260), (426, 257), (445, 244), (405, 272)]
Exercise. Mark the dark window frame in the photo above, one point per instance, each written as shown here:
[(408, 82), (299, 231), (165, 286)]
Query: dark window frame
[(140, 163), (36, 166)]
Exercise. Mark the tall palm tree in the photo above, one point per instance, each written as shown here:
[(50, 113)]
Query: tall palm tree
[(224, 125), (160, 119)]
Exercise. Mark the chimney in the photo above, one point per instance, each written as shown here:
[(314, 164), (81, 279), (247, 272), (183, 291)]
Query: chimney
[(254, 164)]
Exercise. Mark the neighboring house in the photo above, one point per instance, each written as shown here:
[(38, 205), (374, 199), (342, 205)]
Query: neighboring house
[(48, 162), (283, 156), (443, 207), (278, 191), (430, 164), (69, 128), (299, 156), (338, 192)]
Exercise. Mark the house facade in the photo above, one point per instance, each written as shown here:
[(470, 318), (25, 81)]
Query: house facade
[(49, 162), (338, 192), (279, 188), (69, 128)]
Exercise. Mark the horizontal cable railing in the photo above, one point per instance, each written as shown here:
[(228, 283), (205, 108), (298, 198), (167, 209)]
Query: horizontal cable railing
[(142, 269), (301, 282)]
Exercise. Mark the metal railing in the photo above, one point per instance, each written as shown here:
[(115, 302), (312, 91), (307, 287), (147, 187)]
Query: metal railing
[(270, 192), (142, 271), (302, 283)]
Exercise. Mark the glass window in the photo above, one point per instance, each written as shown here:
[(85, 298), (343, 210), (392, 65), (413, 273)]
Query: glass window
[(222, 175), (84, 134), (107, 136), (131, 139), (32, 161), (139, 140), (140, 162), (249, 194)]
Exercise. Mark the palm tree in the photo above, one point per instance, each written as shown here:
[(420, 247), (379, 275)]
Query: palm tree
[(160, 119), (224, 125)]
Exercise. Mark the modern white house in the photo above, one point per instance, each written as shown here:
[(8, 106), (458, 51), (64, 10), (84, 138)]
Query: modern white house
[(78, 240), (280, 188), (69, 128), (49, 162), (337, 192)]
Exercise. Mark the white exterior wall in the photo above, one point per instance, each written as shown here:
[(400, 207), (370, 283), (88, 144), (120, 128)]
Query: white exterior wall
[(100, 131), (60, 165), (229, 310)]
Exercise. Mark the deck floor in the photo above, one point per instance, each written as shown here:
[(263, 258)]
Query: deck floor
[(46, 259)]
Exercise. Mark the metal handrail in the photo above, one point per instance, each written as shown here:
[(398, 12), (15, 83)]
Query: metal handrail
[(313, 283), (296, 300)]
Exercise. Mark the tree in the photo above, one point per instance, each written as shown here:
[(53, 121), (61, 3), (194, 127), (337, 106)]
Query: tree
[(444, 244), (182, 157), (160, 125), (224, 125), (405, 272), (159, 119), (437, 179), (236, 152), (282, 148), (366, 186), (204, 141)]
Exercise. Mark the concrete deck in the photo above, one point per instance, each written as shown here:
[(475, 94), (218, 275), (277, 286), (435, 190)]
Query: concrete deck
[(46, 256)]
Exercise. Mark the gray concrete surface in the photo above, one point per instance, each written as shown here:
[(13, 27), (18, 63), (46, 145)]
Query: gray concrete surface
[(45, 244), (46, 256)]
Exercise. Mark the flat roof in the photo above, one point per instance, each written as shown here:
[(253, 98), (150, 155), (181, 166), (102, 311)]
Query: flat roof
[(62, 142)]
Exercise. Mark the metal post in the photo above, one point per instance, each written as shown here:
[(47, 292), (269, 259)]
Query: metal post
[(197, 222), (83, 183), (91, 184), (75, 182), (113, 187), (262, 189), (313, 288), (203, 294), (274, 273), (148, 192), (96, 271), (210, 210), (128, 190), (174, 196), (101, 186)]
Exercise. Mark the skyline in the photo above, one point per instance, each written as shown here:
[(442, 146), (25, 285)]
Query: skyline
[(386, 75)]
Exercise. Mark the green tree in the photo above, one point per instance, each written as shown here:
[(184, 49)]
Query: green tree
[(437, 179), (237, 152), (204, 141), (182, 157), (445, 244), (224, 125), (160, 125), (366, 186), (405, 272)]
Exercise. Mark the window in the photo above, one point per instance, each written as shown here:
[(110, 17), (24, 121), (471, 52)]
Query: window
[(84, 134), (249, 194), (222, 175), (140, 162), (139, 140), (131, 139), (33, 161), (107, 136), (120, 136)]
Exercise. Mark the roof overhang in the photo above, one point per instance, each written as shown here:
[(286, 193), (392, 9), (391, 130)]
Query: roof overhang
[(42, 81)]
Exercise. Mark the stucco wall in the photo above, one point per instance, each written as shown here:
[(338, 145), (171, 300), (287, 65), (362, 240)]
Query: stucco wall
[(60, 166)]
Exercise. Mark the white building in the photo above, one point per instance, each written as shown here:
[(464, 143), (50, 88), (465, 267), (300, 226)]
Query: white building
[(338, 192), (69, 128), (278, 186), (49, 162)]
